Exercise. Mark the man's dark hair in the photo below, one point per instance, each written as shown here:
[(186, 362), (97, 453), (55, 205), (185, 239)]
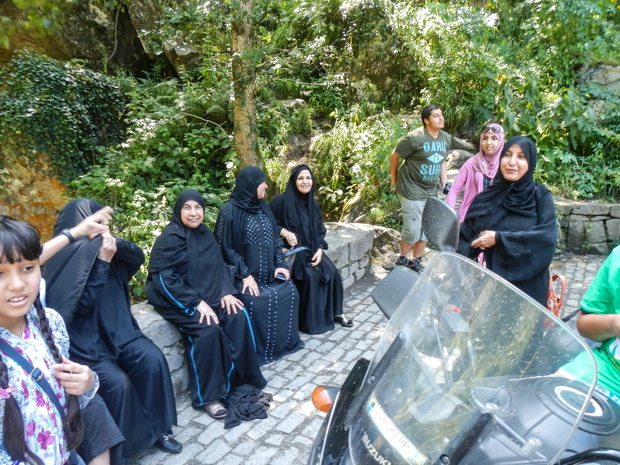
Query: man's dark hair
[(427, 110)]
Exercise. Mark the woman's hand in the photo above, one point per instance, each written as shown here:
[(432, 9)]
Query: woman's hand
[(207, 313), (282, 271), (289, 236), (93, 225), (74, 377), (249, 283), (231, 304), (108, 247), (316, 259), (485, 240)]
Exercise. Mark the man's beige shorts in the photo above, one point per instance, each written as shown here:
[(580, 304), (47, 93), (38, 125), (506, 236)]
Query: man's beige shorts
[(411, 231)]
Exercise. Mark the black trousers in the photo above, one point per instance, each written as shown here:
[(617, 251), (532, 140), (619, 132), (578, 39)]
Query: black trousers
[(100, 433), (137, 390)]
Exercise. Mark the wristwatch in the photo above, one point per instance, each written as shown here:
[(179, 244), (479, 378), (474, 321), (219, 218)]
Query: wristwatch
[(67, 233)]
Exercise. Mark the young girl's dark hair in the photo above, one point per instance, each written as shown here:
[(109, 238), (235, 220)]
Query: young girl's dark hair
[(20, 240)]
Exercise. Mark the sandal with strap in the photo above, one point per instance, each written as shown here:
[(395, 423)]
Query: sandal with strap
[(216, 410), (344, 321)]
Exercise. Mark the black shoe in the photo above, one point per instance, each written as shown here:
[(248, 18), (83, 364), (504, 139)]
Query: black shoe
[(416, 265), (344, 321), (168, 444), (402, 261)]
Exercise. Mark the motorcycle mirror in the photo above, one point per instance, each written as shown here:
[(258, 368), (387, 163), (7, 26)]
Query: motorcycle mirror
[(440, 224)]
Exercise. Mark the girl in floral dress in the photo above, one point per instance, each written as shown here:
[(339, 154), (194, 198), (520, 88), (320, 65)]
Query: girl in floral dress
[(32, 430)]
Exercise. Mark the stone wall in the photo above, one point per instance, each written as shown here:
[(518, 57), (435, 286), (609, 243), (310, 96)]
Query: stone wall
[(350, 248), (588, 227)]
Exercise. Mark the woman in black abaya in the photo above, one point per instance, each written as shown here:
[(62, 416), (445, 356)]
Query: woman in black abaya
[(246, 233), (298, 216), (188, 284), (88, 284), (513, 223)]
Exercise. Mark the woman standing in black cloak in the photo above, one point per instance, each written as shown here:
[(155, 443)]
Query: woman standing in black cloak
[(513, 223), (188, 284), (246, 233), (298, 216), (88, 283)]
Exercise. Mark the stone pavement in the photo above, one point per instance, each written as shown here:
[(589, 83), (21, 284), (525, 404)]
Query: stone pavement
[(286, 436)]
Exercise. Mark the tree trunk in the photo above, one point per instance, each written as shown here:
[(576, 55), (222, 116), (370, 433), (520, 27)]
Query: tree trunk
[(244, 85)]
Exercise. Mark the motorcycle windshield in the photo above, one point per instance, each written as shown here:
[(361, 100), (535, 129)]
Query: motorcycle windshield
[(466, 373)]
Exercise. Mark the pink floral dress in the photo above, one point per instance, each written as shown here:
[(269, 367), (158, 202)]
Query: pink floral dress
[(43, 425)]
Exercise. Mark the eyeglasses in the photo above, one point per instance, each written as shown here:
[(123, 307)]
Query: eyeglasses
[(493, 129)]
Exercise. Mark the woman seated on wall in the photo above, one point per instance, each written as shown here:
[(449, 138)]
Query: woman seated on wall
[(88, 282), (246, 233), (188, 284), (102, 441), (298, 216)]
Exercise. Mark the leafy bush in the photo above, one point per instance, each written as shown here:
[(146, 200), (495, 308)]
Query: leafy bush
[(59, 109), (352, 166), (171, 145), (458, 57)]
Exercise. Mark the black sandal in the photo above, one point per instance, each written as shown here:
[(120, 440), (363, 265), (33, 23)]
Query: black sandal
[(347, 323)]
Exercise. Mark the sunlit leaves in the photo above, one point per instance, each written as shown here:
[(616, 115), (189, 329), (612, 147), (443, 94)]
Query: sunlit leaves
[(59, 109)]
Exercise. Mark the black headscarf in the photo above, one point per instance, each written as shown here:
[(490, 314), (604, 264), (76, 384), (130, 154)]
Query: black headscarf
[(301, 213), (523, 217), (503, 196), (67, 272), (245, 197), (244, 194), (195, 246)]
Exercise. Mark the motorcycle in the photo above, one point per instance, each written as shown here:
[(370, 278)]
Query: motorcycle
[(466, 372)]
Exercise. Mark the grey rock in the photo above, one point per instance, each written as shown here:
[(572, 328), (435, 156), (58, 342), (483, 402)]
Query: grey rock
[(576, 232), (563, 207), (88, 32), (457, 158), (601, 248), (294, 103), (595, 232), (613, 231), (605, 76), (590, 209)]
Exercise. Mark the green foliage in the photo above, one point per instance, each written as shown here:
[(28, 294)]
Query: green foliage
[(278, 122), (557, 38), (60, 109), (579, 151), (458, 57), (352, 162), (42, 16), (171, 145)]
